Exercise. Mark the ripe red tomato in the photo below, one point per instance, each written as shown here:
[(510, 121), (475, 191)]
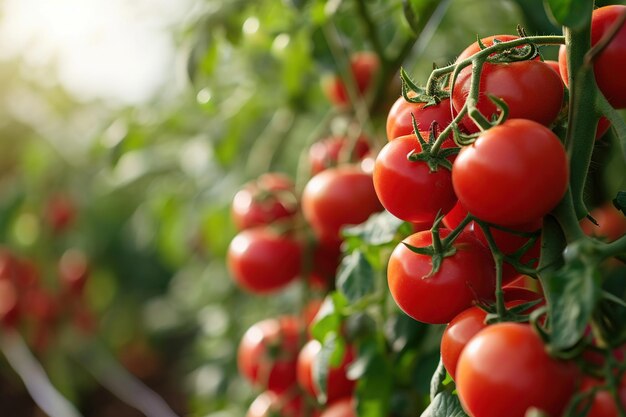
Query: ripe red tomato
[(510, 243), (268, 353), (488, 41), (611, 223), (364, 67), (338, 385), (554, 65), (408, 189), (464, 278), (264, 200), (400, 123), (531, 89), (465, 325), (328, 152), (74, 270), (504, 370), (342, 408), (268, 404), (338, 197), (612, 56), (513, 174), (262, 261)]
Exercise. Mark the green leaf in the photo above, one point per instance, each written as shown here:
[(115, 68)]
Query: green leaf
[(380, 229), (330, 316), (331, 356), (436, 383), (573, 292), (355, 278), (404, 333), (445, 404), (571, 13), (375, 380), (620, 201)]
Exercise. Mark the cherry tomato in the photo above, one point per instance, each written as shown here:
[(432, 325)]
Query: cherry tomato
[(409, 189), (9, 304), (268, 404), (488, 41), (338, 197), (509, 243), (554, 65), (531, 89), (364, 67), (400, 123), (463, 279), (513, 174), (504, 370), (469, 322), (611, 223), (264, 200), (342, 408), (328, 152), (326, 259), (268, 353), (338, 385), (262, 261), (612, 56)]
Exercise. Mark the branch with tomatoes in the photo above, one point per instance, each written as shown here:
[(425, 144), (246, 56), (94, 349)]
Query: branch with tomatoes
[(498, 268)]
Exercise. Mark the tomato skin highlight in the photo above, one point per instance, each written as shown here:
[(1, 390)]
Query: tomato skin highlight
[(531, 90), (504, 370), (262, 261), (408, 189), (464, 278), (254, 354), (338, 197), (513, 174), (400, 123)]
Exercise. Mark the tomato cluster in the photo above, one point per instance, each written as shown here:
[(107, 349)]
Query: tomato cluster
[(475, 162), (30, 306), (286, 236)]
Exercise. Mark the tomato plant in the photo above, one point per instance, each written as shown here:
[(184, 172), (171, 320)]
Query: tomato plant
[(328, 152), (401, 114), (363, 69)]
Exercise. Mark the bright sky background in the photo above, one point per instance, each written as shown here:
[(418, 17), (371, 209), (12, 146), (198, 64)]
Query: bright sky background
[(121, 51)]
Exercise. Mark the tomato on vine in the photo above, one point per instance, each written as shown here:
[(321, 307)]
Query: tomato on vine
[(612, 56), (338, 197), (487, 42), (464, 278), (363, 68), (262, 201), (400, 122), (410, 189), (262, 261), (531, 90), (267, 354), (504, 370), (513, 174)]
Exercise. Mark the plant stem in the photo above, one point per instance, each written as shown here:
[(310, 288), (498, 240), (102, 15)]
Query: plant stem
[(371, 31), (34, 377)]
